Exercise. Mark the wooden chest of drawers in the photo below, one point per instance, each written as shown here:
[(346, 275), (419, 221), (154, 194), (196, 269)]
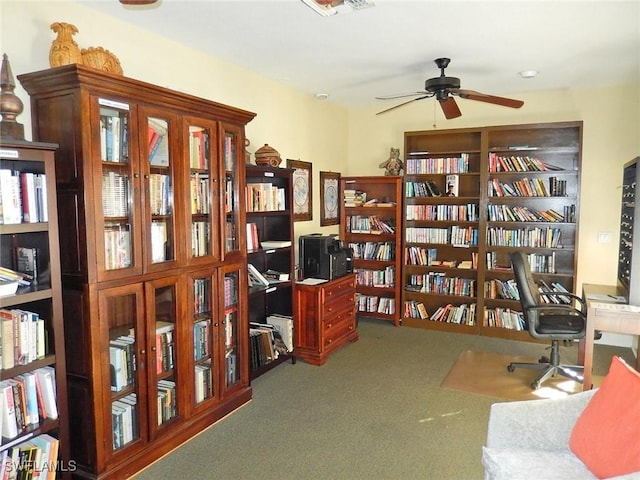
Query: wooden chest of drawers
[(325, 318)]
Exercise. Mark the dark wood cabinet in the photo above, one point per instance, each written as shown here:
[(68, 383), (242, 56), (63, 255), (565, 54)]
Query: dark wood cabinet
[(475, 195), (32, 224), (153, 262), (325, 318), (371, 225)]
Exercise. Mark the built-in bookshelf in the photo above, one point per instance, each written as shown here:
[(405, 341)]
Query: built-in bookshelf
[(270, 257), (33, 393), (153, 262), (629, 246), (475, 195), (371, 225)]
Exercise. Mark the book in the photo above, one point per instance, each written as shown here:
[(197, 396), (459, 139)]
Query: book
[(284, 326), (8, 287), (276, 244), (255, 277), (8, 413), (45, 382), (27, 262), (452, 183)]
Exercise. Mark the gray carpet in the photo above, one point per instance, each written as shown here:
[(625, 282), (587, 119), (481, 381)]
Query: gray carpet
[(374, 411)]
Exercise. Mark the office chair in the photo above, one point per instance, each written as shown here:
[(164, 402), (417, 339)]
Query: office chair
[(555, 321)]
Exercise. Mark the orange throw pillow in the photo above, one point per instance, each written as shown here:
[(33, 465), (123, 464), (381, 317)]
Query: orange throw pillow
[(606, 436)]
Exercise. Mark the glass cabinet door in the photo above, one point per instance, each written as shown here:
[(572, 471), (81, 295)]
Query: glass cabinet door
[(205, 325), (203, 191), (230, 330), (116, 186), (122, 308), (233, 205), (162, 346), (158, 171)]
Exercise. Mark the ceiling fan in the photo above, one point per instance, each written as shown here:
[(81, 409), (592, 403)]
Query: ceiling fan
[(445, 89)]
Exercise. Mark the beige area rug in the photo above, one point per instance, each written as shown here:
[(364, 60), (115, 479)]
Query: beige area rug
[(486, 373)]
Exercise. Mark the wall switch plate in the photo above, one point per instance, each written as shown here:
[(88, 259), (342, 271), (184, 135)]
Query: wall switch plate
[(604, 237)]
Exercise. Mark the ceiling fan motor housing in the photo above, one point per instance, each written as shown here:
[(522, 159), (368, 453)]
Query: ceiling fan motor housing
[(439, 83)]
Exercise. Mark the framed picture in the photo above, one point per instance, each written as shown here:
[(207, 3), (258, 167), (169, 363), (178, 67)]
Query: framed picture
[(329, 198), (302, 199)]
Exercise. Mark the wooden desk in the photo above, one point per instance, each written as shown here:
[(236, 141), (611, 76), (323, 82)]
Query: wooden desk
[(606, 317)]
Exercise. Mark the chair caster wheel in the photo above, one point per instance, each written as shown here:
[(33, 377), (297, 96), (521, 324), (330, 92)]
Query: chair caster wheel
[(511, 368), (544, 360), (535, 385)]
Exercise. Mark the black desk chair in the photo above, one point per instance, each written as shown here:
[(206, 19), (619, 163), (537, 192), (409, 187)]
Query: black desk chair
[(557, 322)]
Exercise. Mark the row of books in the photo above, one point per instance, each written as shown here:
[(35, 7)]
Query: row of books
[(27, 399), (460, 314), (463, 213), (517, 163), (354, 198), (122, 362), (510, 213), (202, 339), (24, 337), (230, 291), (455, 235), (369, 224), (384, 278), (23, 197), (199, 147), (124, 420), (36, 458), (200, 188), (229, 152), (504, 289), (201, 295), (428, 188), (548, 237), (439, 283), (160, 194), (437, 165), (373, 250), (375, 304), (200, 238), (526, 187), (114, 134), (504, 318), (415, 309), (428, 256), (117, 246), (115, 194), (264, 197), (158, 142), (203, 381), (167, 400), (159, 240)]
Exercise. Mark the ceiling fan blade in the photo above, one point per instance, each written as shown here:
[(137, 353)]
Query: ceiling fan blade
[(400, 95), (402, 104), (450, 108), (483, 97)]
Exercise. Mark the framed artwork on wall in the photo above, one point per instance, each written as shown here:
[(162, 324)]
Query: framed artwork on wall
[(329, 198), (302, 199)]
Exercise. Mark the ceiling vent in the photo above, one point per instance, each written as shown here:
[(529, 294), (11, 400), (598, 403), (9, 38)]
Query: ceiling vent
[(327, 8)]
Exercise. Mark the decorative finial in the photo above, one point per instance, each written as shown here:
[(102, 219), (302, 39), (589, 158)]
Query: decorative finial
[(10, 105)]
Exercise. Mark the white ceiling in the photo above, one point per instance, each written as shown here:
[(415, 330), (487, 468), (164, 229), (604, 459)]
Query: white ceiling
[(390, 48)]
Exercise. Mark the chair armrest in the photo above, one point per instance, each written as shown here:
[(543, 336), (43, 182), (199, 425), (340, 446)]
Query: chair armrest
[(581, 302), (539, 424)]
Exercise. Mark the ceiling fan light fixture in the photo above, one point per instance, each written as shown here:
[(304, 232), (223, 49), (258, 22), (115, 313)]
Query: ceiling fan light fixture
[(327, 8), (528, 73)]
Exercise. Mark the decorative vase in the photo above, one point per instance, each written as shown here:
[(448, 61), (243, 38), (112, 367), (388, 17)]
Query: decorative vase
[(267, 155), (64, 50)]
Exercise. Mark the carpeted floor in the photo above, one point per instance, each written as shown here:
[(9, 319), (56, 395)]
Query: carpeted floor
[(486, 373)]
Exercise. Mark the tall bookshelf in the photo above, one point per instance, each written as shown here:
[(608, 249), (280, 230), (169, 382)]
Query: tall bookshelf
[(270, 251), (29, 244), (153, 262), (371, 224), (475, 195)]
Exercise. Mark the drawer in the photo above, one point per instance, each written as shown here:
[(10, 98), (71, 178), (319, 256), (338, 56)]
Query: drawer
[(338, 326), (336, 297)]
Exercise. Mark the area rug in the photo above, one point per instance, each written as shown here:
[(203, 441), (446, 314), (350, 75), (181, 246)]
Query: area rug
[(486, 373)]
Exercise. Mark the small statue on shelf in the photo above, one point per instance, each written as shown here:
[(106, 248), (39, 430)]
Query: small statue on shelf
[(393, 165)]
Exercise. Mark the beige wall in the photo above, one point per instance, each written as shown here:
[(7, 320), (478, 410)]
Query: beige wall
[(352, 141)]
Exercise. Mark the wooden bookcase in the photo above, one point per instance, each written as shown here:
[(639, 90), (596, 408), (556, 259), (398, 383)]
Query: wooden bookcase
[(153, 261), (456, 247), (269, 194), (39, 233), (376, 248)]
